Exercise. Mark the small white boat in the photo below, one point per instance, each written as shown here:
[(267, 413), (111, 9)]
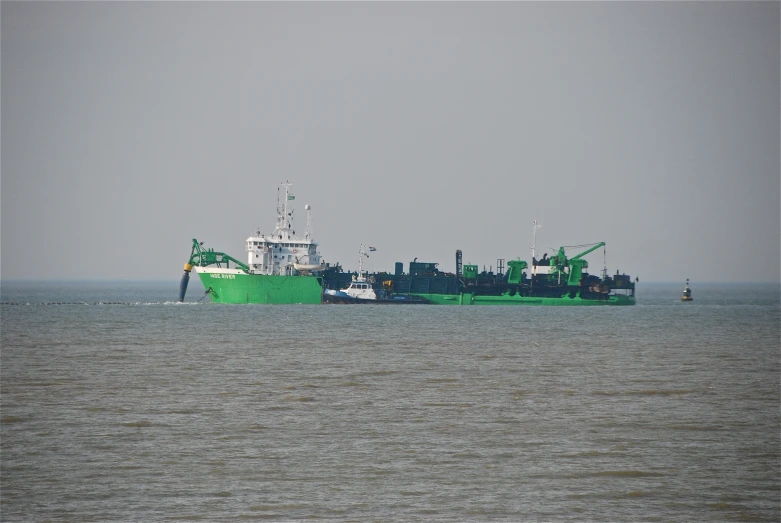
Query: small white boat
[(359, 288)]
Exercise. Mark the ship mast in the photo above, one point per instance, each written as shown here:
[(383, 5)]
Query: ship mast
[(284, 212), (308, 208), (361, 254), (534, 238), (535, 226)]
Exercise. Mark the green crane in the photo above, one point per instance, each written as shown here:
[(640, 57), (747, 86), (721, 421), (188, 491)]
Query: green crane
[(576, 264), (592, 249), (203, 257)]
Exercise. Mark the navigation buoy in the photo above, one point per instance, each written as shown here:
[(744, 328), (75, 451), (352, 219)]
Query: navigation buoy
[(687, 292)]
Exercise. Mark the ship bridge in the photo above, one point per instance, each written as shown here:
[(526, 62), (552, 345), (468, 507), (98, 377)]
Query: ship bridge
[(282, 252)]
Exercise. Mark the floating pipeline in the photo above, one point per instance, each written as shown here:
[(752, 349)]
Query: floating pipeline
[(18, 303)]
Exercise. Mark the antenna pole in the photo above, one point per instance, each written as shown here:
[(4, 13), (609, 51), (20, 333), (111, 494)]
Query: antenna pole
[(283, 218), (361, 254), (535, 226)]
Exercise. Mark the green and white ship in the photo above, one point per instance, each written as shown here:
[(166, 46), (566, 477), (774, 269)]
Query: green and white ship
[(284, 268), (281, 267)]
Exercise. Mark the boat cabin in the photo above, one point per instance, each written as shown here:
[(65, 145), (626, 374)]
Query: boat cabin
[(360, 289)]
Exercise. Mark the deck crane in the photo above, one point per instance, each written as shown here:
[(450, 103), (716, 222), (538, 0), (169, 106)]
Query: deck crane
[(576, 264)]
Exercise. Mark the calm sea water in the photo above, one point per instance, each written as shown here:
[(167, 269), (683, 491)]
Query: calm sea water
[(127, 406)]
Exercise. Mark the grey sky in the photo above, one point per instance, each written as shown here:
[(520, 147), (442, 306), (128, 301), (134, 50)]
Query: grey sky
[(130, 128)]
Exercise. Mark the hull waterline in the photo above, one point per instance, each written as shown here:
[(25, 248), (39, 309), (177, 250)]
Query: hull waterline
[(472, 299), (261, 288)]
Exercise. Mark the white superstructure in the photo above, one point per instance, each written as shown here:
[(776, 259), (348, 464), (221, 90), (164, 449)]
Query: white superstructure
[(282, 252)]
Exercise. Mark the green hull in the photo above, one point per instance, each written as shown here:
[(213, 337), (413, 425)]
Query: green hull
[(506, 299), (258, 288)]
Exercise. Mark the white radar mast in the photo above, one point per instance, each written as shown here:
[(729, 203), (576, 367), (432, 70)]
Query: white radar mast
[(284, 212)]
